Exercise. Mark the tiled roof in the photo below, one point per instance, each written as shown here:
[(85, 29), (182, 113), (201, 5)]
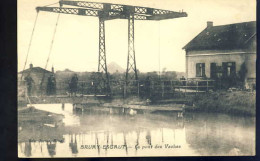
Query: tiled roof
[(35, 70), (226, 37)]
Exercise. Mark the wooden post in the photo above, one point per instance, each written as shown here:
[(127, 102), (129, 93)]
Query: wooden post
[(26, 92), (125, 90), (82, 88), (138, 90), (151, 89), (197, 89), (171, 86), (63, 106), (162, 88), (185, 88), (207, 85)]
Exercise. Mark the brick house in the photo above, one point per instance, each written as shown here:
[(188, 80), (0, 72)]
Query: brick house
[(222, 51), (36, 73)]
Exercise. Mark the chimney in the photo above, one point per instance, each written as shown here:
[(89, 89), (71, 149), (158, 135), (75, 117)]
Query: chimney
[(209, 24), (31, 66), (52, 69)]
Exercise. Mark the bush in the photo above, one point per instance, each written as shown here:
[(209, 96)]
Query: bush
[(239, 102)]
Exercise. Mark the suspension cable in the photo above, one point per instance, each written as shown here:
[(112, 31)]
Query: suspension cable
[(159, 49), (51, 4), (29, 47), (48, 58)]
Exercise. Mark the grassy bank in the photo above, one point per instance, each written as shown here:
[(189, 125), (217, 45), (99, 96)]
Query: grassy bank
[(236, 103)]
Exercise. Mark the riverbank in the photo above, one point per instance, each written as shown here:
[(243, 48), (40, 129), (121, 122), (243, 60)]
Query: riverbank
[(228, 102), (234, 103), (33, 115)]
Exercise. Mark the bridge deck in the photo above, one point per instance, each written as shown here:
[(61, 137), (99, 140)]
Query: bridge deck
[(67, 99), (150, 108)]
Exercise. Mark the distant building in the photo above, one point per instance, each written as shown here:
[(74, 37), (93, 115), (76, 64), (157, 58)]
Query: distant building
[(36, 73), (65, 75), (220, 51)]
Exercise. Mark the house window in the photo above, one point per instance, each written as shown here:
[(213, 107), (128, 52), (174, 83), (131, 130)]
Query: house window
[(229, 69), (200, 69), (216, 71), (213, 70)]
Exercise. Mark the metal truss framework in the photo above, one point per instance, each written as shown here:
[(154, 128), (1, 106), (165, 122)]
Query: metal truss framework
[(108, 11), (113, 11), (131, 72), (102, 63)]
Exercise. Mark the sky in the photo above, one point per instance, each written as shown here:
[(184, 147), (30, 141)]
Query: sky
[(158, 44)]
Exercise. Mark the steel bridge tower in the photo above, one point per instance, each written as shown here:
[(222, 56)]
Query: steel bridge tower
[(109, 11)]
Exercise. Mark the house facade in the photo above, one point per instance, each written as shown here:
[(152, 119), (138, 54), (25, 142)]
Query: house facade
[(223, 52), (36, 73)]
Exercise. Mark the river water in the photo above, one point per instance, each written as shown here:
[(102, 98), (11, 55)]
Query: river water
[(92, 134)]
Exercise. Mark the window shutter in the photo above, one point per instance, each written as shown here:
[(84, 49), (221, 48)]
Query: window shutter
[(213, 70), (203, 70), (233, 69), (224, 69), (197, 70)]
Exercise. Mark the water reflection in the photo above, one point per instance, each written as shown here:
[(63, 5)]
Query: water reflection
[(73, 144), (227, 135), (28, 149), (91, 133), (137, 139), (148, 138), (97, 143), (51, 146)]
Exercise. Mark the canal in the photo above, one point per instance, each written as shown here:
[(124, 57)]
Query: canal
[(97, 134)]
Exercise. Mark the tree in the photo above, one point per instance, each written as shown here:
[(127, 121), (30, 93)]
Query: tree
[(242, 74)]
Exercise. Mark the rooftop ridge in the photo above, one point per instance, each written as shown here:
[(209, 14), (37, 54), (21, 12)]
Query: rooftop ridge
[(33, 68), (228, 36), (234, 23)]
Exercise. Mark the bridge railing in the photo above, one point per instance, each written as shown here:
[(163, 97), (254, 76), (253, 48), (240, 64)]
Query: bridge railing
[(138, 88), (169, 87)]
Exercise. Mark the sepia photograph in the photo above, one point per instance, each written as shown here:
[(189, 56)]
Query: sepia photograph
[(136, 78)]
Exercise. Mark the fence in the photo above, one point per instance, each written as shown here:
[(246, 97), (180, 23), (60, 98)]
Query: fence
[(168, 88), (142, 88)]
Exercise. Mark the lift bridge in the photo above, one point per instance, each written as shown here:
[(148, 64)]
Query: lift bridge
[(109, 11)]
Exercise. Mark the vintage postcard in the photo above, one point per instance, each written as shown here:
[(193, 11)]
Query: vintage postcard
[(128, 78)]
